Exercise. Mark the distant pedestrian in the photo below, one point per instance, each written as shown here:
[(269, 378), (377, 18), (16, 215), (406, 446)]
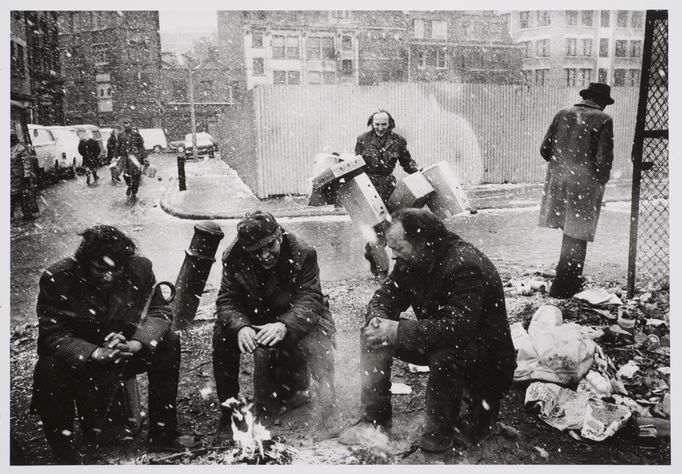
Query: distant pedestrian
[(23, 179), (579, 149), (89, 149), (112, 158), (381, 149), (130, 149)]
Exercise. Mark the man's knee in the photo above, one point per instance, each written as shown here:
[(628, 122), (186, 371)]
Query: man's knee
[(452, 363)]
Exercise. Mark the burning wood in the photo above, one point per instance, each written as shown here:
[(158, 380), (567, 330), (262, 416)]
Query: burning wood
[(246, 431)]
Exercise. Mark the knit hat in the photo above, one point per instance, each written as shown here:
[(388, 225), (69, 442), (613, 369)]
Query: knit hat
[(256, 230)]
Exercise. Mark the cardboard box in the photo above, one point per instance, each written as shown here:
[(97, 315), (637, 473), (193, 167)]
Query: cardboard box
[(348, 167), (414, 190), (362, 202), (449, 197)]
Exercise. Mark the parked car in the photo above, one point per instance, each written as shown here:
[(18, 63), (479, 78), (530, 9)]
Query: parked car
[(86, 131), (68, 158), (154, 139), (177, 146), (205, 145), (45, 146)]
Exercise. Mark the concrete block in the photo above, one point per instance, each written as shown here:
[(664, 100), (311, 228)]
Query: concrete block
[(414, 190), (449, 197), (348, 167), (362, 202)]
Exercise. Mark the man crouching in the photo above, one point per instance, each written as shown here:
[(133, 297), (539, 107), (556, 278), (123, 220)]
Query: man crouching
[(270, 297), (461, 332)]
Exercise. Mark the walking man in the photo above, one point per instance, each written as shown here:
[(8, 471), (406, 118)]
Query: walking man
[(461, 332), (579, 149), (23, 177), (130, 149), (89, 149)]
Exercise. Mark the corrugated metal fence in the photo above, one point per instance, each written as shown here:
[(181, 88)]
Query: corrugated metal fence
[(489, 133)]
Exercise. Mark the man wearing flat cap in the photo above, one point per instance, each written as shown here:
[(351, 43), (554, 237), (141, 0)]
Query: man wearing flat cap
[(270, 296), (579, 149)]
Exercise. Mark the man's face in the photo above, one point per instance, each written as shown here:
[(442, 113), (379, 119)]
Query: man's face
[(268, 256), (380, 123), (413, 256), (104, 272), (127, 127)]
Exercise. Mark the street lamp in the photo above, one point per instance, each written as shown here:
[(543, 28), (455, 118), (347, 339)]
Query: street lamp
[(193, 118)]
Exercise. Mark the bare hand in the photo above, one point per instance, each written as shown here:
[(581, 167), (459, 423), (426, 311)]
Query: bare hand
[(246, 339), (105, 354), (381, 332), (270, 334)]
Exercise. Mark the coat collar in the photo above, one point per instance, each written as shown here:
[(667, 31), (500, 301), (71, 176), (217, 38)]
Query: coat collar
[(589, 103)]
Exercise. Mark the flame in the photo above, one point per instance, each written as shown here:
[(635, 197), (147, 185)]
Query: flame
[(247, 433)]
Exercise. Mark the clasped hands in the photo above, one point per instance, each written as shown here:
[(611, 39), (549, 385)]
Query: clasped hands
[(116, 348), (249, 337), (381, 332)]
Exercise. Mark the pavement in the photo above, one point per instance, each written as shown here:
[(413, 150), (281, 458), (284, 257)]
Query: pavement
[(215, 191)]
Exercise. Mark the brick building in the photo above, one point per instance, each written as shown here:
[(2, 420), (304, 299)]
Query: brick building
[(111, 65)]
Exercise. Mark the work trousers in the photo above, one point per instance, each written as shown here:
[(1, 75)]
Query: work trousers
[(567, 280)]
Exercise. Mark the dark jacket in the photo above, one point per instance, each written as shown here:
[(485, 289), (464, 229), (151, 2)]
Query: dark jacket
[(459, 302), (381, 156), (89, 150), (130, 143), (73, 321), (290, 294), (112, 144), (579, 148)]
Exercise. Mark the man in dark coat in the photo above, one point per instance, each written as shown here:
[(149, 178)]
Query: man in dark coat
[(270, 297), (382, 149), (579, 149), (23, 179), (130, 149), (89, 149), (90, 329), (461, 332)]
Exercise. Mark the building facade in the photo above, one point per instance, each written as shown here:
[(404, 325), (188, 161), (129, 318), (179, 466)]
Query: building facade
[(575, 47), (35, 72), (111, 65), (366, 47)]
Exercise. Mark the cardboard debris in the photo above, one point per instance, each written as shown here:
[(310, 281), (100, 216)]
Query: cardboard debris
[(362, 202), (418, 368), (347, 167), (628, 370), (598, 296), (414, 190), (398, 388), (603, 419), (449, 197)]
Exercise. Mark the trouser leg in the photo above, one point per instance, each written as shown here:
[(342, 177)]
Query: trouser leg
[(375, 375), (135, 182), (567, 281), (315, 352), (375, 252), (226, 358)]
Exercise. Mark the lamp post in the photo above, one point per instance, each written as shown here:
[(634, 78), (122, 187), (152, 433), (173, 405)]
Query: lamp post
[(193, 119)]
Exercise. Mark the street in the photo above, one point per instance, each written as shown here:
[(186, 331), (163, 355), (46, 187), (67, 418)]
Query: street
[(510, 237)]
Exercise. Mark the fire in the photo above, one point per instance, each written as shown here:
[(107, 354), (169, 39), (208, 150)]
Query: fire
[(247, 433)]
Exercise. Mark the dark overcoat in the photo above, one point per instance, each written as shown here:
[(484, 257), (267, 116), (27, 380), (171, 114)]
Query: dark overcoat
[(579, 149)]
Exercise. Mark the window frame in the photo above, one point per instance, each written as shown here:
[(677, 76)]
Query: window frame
[(254, 69)]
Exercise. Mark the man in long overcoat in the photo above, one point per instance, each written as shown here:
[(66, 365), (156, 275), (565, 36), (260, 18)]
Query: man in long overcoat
[(579, 149), (130, 149), (461, 332), (89, 149)]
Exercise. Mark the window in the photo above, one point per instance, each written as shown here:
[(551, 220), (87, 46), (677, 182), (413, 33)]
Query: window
[(637, 20), (278, 47), (541, 76), (571, 17), (619, 77), (542, 48), (313, 47), (571, 46), (294, 77), (585, 77), (292, 47), (570, 77), (419, 29), (527, 76), (543, 18), (633, 77), (586, 18), (441, 59), (524, 20), (346, 43), (258, 67), (636, 49), (621, 48), (605, 20), (603, 47), (18, 65), (439, 30), (100, 54), (320, 47), (466, 29), (279, 77), (527, 48), (327, 46), (602, 76), (104, 101), (313, 77), (346, 67), (586, 49), (421, 60), (257, 39), (328, 77), (622, 18)]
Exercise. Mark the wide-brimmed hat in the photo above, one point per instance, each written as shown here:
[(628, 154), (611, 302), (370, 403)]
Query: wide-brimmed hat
[(256, 230), (597, 90)]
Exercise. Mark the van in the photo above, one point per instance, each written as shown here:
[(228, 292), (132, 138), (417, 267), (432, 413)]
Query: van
[(45, 146), (86, 131), (68, 158), (154, 139)]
